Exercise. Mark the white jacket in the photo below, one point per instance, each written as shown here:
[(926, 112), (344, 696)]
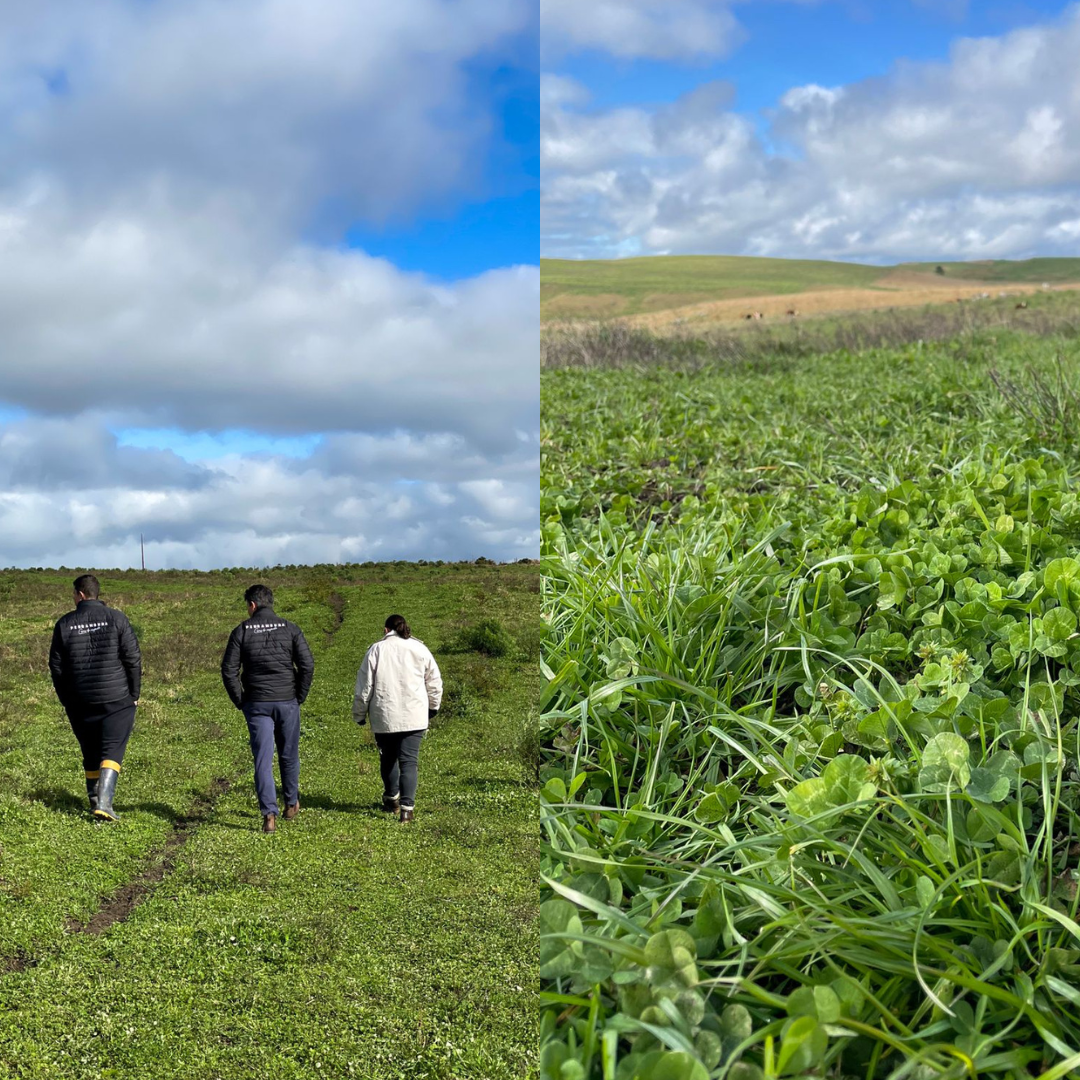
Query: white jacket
[(397, 684)]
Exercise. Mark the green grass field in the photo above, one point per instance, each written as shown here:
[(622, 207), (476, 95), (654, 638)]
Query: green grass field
[(811, 798), (182, 942), (1030, 271), (597, 288), (628, 286)]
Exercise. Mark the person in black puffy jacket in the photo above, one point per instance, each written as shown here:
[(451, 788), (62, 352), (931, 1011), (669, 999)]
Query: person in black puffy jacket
[(267, 670), (96, 670)]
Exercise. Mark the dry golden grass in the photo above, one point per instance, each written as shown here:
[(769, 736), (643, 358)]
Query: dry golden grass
[(897, 289)]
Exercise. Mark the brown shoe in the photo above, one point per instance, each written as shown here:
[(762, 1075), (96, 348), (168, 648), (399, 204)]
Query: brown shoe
[(406, 815), (270, 823), (391, 806), (292, 811)]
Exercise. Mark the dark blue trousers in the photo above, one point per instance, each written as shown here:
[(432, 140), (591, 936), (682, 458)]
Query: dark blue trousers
[(270, 724)]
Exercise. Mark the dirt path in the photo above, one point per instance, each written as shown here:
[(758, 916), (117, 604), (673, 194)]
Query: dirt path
[(123, 902)]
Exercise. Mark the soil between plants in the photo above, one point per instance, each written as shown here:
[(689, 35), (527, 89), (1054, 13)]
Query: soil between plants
[(123, 902)]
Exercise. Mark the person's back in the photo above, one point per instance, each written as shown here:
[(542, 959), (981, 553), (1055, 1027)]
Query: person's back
[(398, 689), (267, 670), (94, 657), (399, 699), (96, 670), (273, 659)]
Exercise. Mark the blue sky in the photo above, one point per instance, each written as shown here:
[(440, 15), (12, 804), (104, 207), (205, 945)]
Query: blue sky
[(970, 104), (788, 45), (491, 224), (198, 446), (472, 237), (496, 223), (266, 284)]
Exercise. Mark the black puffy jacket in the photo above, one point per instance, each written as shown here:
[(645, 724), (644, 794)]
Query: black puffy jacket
[(94, 658), (267, 659)]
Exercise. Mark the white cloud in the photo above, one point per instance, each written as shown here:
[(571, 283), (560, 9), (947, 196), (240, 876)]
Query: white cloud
[(976, 157), (255, 511), (658, 29), (561, 90), (337, 108), (676, 30), (579, 142), (806, 99), (164, 325), (174, 177)]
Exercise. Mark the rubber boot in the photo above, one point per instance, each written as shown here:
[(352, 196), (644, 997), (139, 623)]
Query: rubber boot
[(91, 789), (106, 791)]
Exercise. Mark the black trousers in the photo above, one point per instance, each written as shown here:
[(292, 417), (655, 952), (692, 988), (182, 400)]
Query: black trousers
[(399, 757), (103, 732)]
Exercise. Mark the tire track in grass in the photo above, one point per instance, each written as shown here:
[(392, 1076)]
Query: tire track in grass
[(20, 962), (336, 604), (162, 861)]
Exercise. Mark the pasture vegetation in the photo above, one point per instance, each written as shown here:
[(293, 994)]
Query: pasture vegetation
[(582, 289), (617, 344), (572, 287), (1005, 271), (810, 781), (183, 943)]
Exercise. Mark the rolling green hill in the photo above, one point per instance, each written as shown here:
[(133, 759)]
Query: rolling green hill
[(603, 288), (1027, 271)]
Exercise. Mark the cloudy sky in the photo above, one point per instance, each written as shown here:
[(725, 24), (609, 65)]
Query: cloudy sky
[(268, 281), (869, 130)]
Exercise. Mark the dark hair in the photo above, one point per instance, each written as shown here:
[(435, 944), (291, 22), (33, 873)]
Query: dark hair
[(398, 625), (260, 596), (88, 585)]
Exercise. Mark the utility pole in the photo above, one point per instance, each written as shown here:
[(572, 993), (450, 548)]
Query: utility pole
[(142, 551)]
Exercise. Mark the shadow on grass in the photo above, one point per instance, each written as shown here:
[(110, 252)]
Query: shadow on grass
[(495, 783), (326, 802), (169, 813), (252, 826), (251, 820), (61, 801)]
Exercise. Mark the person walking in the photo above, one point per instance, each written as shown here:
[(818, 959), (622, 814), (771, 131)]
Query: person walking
[(267, 669), (399, 689), (96, 670)]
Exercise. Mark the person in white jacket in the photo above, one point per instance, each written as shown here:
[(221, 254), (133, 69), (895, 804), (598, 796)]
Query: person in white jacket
[(399, 689)]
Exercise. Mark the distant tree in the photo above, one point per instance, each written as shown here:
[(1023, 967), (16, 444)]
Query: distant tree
[(939, 269)]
